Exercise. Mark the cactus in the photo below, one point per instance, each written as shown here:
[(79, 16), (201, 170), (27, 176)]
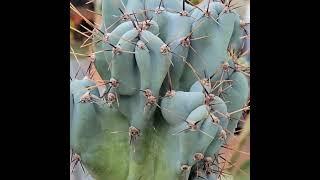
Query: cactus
[(174, 90)]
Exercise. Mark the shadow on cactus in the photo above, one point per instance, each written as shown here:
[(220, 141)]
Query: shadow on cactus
[(174, 90)]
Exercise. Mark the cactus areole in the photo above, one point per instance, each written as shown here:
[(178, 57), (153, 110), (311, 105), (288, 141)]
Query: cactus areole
[(173, 92)]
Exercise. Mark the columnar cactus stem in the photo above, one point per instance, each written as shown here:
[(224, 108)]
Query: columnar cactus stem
[(174, 90)]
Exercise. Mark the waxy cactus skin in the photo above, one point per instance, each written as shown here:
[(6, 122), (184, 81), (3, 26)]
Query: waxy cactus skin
[(174, 91)]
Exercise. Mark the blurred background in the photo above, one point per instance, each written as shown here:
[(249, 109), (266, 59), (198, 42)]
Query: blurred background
[(237, 155)]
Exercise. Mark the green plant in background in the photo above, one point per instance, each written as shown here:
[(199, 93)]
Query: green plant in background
[(195, 1), (243, 169), (174, 90)]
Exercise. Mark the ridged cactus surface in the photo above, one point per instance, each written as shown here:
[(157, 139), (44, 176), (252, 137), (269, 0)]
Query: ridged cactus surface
[(175, 90)]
